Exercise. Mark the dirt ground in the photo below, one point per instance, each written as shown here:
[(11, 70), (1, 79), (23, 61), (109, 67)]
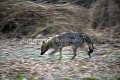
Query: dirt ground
[(19, 59)]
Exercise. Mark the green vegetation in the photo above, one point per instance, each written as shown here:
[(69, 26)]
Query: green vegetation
[(118, 78), (89, 79), (19, 77), (22, 77), (65, 79)]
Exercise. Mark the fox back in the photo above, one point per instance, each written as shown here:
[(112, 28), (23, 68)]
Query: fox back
[(66, 39)]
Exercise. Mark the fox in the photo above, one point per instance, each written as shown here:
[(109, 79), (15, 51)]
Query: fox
[(73, 39)]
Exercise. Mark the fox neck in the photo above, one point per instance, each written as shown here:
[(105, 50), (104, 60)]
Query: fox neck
[(49, 44)]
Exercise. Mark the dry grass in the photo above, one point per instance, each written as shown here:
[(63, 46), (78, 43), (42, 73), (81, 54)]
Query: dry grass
[(29, 18)]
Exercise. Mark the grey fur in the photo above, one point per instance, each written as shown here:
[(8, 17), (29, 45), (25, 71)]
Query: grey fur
[(73, 39)]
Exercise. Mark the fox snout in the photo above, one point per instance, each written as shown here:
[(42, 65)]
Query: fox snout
[(42, 53), (43, 50)]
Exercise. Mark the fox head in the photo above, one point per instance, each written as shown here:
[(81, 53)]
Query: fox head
[(44, 47)]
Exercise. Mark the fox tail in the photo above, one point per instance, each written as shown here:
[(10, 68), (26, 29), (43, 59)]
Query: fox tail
[(89, 42)]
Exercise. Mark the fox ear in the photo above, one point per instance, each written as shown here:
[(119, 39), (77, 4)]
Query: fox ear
[(43, 42)]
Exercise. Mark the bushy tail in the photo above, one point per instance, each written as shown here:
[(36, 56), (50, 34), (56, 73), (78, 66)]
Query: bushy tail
[(89, 42)]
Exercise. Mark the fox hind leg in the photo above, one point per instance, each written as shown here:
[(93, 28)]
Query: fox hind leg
[(74, 51), (60, 54), (89, 54)]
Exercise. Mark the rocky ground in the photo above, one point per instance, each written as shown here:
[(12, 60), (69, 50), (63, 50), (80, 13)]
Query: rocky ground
[(22, 61)]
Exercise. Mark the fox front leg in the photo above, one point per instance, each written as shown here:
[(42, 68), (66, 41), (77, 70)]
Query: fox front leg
[(51, 54)]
